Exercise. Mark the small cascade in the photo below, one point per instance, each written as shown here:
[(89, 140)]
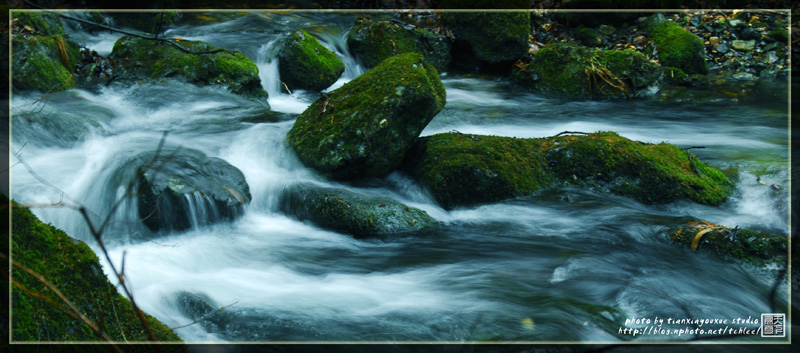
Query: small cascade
[(201, 210), (268, 68)]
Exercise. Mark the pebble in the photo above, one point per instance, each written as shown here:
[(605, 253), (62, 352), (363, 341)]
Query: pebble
[(743, 45)]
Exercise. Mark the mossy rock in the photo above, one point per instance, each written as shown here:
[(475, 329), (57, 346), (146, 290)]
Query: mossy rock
[(374, 42), (44, 63), (42, 23), (675, 76), (589, 37), (467, 170), (144, 60), (181, 185), (569, 70), (364, 128), (677, 47), (493, 36), (357, 213), (650, 173), (148, 22), (73, 268), (733, 244), (304, 63), (779, 35)]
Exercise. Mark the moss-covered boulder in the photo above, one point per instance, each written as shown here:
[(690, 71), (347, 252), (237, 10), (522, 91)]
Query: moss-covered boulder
[(40, 23), (306, 64), (650, 173), (143, 60), (357, 213), (733, 244), (569, 70), (677, 47), (44, 63), (373, 42), (364, 128), (495, 36), (589, 37), (467, 170), (72, 268), (182, 188)]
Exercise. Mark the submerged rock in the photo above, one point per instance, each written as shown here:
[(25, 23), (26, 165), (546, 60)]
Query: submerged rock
[(44, 63), (733, 244), (144, 60), (571, 70), (465, 170), (181, 188), (493, 36), (677, 47), (374, 42), (72, 267), (304, 63), (357, 213), (364, 128)]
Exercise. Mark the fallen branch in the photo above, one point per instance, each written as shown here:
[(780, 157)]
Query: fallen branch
[(570, 132)]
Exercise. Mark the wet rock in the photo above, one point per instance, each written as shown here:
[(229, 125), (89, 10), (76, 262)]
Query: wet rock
[(374, 42), (779, 35), (305, 64), (749, 33), (493, 36), (771, 57), (145, 60), (360, 214), (466, 170), (743, 45), (44, 63), (723, 48), (364, 128), (679, 48), (733, 244), (181, 188), (566, 69)]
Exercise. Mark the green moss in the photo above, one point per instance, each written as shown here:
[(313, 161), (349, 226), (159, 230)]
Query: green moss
[(675, 76), (493, 36), (570, 70), (142, 59), (304, 63), (73, 268), (467, 170), (779, 35), (374, 42), (42, 23), (364, 128), (679, 48), (40, 64), (733, 244)]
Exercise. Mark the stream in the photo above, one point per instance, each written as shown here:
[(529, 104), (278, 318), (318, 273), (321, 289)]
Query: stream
[(534, 269)]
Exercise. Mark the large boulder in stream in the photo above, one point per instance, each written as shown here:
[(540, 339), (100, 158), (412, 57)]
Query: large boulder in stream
[(181, 188), (733, 244), (360, 214), (375, 41), (44, 63), (141, 59), (72, 267), (304, 63), (466, 170), (569, 70), (364, 128)]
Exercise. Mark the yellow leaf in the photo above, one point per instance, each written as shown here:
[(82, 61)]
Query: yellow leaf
[(527, 323), (696, 240)]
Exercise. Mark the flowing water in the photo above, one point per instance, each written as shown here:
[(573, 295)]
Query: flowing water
[(535, 268)]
